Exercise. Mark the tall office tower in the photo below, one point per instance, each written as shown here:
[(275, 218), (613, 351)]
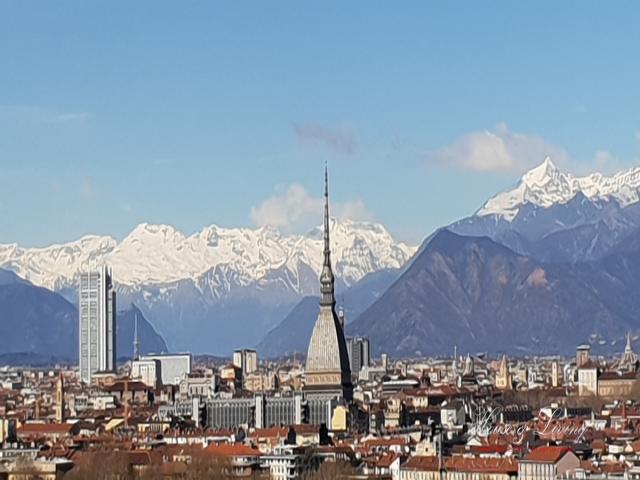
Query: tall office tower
[(327, 370), (359, 354), (246, 360), (97, 314)]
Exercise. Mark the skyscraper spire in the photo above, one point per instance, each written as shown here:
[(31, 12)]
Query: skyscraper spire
[(136, 343), (327, 367), (326, 278)]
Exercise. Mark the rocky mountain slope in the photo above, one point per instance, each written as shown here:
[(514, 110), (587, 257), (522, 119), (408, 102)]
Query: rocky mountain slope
[(481, 296)]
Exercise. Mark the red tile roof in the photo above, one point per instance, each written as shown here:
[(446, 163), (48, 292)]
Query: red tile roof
[(386, 460), (547, 454), (482, 465), (422, 463), (233, 450), (44, 428), (273, 432)]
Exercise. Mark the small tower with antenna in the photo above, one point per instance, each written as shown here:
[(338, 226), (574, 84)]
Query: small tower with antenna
[(136, 343)]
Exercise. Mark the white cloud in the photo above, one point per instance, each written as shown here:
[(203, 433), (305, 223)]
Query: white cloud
[(68, 117), (604, 162), (294, 209), (342, 140), (499, 149), (87, 190)]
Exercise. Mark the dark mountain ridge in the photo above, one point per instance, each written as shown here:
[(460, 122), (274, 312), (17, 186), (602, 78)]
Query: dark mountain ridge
[(482, 296)]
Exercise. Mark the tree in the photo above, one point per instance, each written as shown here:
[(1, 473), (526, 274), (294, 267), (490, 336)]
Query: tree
[(25, 469), (102, 465), (338, 470)]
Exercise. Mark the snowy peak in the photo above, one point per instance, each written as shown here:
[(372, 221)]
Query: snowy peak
[(160, 255), (546, 185), (543, 174)]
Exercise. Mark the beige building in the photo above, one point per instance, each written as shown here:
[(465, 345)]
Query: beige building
[(261, 381), (588, 379), (146, 371), (481, 468), (616, 384), (547, 463)]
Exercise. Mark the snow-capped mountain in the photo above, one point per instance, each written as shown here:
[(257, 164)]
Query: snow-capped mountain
[(219, 288), (545, 186), (554, 216), (159, 254)]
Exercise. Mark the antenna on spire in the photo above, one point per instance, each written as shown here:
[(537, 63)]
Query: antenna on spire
[(326, 277), (136, 343)]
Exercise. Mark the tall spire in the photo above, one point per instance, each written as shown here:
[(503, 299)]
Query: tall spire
[(326, 278), (136, 343)]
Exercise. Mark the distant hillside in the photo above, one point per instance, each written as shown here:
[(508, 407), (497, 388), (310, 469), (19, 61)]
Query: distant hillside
[(38, 326), (292, 334), (481, 296), (149, 340), (35, 320)]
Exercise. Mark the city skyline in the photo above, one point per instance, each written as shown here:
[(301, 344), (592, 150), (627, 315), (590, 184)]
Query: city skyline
[(158, 117), (347, 240)]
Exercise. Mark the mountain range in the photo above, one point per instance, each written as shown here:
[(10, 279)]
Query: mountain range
[(550, 263), (215, 290)]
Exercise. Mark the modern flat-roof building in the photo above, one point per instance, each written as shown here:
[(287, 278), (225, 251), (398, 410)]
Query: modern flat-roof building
[(173, 366)]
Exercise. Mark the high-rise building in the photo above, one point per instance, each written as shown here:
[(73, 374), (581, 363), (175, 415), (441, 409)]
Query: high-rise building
[(359, 354), (97, 315), (246, 360), (327, 370)]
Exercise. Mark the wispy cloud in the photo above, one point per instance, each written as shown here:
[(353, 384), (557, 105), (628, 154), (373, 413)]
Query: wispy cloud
[(605, 162), (69, 117), (293, 209), (87, 189), (55, 186), (35, 114), (341, 140), (496, 150)]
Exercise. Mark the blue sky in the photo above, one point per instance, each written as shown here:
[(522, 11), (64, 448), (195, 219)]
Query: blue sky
[(192, 113)]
